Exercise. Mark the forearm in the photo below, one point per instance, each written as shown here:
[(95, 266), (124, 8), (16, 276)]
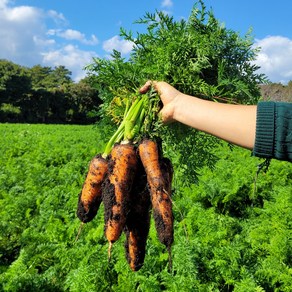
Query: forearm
[(233, 123)]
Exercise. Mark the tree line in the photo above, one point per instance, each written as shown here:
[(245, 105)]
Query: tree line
[(43, 94), (48, 95)]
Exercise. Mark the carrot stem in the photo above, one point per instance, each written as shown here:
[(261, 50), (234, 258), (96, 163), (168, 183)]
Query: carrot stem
[(116, 138), (134, 118), (131, 120)]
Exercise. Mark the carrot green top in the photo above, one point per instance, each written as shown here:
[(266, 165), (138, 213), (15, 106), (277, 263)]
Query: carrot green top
[(274, 131)]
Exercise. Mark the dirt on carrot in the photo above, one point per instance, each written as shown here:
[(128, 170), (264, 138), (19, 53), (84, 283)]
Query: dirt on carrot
[(159, 178), (162, 208), (138, 221), (123, 164), (90, 196)]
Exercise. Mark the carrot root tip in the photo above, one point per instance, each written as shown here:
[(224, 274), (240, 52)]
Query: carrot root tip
[(79, 231), (109, 252)]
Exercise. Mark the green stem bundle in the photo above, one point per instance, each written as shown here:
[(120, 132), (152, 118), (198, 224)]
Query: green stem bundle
[(134, 119)]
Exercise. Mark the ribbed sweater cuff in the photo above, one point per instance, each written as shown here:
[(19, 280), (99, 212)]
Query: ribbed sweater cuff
[(265, 130)]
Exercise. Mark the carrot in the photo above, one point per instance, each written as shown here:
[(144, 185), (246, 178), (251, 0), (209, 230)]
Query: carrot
[(90, 196), (138, 221), (123, 163), (167, 171), (159, 176)]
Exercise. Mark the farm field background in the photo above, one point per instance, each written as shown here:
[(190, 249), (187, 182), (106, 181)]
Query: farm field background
[(230, 233)]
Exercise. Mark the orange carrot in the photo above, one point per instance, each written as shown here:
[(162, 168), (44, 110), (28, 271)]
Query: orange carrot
[(117, 189), (91, 195), (159, 176), (138, 221)]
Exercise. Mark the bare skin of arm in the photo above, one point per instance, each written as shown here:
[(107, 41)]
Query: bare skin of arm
[(233, 123)]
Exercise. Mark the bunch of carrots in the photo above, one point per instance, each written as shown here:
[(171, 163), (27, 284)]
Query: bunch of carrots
[(131, 178)]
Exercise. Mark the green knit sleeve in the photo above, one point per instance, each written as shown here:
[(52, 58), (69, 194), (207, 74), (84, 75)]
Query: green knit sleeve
[(274, 131)]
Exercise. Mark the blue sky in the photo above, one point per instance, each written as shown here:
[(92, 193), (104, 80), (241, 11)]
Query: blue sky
[(71, 32)]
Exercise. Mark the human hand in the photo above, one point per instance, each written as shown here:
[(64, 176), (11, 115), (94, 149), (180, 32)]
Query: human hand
[(168, 95)]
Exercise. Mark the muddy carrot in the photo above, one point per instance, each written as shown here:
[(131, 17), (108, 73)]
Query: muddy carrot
[(159, 180), (138, 221), (123, 163), (90, 196)]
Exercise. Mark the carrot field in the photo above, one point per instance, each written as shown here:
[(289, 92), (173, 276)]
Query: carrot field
[(232, 227)]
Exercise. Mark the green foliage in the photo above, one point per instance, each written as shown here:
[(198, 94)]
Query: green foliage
[(15, 83), (246, 239), (48, 78), (41, 173), (199, 57), (9, 112), (229, 235)]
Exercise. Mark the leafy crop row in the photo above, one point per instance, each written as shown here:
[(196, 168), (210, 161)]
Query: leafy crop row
[(229, 235)]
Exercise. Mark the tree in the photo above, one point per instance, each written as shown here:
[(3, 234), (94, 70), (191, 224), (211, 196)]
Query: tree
[(61, 76), (39, 77), (14, 82), (44, 95), (48, 78), (84, 102), (50, 90)]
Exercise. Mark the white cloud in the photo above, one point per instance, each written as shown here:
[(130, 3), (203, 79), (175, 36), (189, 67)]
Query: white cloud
[(71, 34), (3, 3), (167, 3), (26, 39), (275, 58), (58, 18), (43, 42), (23, 14), (18, 28), (71, 57), (116, 43)]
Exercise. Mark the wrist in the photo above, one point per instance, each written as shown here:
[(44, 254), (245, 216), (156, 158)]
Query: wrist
[(181, 105)]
